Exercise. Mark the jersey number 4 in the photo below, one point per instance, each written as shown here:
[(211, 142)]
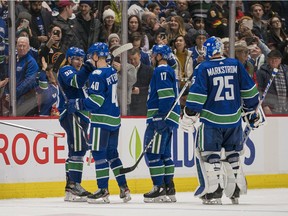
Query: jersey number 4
[(225, 89)]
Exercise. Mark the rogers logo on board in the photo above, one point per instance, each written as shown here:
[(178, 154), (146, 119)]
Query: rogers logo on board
[(23, 148)]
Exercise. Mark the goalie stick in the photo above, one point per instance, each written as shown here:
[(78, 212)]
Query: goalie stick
[(130, 169), (248, 129), (31, 129)]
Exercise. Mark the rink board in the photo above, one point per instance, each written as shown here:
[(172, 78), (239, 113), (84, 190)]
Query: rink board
[(32, 164)]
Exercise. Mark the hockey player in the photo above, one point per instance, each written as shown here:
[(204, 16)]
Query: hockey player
[(220, 85), (105, 123), (77, 146), (163, 91)]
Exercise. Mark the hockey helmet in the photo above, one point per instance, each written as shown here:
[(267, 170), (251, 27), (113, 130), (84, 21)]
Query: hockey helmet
[(213, 46), (101, 49), (163, 50), (75, 51)]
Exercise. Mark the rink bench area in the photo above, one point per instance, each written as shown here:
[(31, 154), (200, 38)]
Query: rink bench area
[(32, 164)]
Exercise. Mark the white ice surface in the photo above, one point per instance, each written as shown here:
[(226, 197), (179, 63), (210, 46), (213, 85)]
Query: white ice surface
[(264, 202)]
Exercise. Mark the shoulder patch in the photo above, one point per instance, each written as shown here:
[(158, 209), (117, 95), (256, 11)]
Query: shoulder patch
[(98, 72)]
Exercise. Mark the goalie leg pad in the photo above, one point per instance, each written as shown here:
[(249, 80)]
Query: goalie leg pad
[(234, 175), (209, 173)]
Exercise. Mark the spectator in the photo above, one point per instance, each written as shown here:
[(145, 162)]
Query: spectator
[(154, 8), (139, 95), (242, 54), (4, 9), (259, 25), (41, 19), (135, 25), (131, 79), (161, 38), (72, 31), (198, 51), (257, 56), (26, 72), (184, 68), (113, 39), (22, 6), (3, 83), (51, 51), (91, 25), (47, 93), (239, 10), (137, 8), (175, 28), (217, 19), (198, 23), (276, 99), (109, 26), (199, 8), (150, 26), (268, 12), (277, 37), (138, 41), (225, 42), (3, 49)]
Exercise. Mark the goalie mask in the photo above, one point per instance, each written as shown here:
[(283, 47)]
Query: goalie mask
[(213, 46)]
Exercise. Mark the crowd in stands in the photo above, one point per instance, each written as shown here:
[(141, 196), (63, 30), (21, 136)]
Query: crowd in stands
[(45, 30)]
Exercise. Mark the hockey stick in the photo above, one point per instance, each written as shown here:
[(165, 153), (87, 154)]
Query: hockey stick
[(248, 129), (130, 169), (31, 129), (122, 49)]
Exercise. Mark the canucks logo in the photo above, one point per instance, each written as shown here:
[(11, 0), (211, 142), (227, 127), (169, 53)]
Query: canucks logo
[(135, 145)]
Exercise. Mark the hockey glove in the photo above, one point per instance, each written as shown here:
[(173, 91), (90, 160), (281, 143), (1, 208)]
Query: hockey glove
[(253, 119), (159, 124), (75, 105), (187, 122), (89, 66)]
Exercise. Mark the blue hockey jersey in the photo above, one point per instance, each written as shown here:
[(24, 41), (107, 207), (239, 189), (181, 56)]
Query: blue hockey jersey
[(72, 88), (219, 88), (102, 99), (163, 91)]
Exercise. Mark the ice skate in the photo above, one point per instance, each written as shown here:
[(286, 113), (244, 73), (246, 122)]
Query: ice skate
[(235, 196), (74, 192), (100, 196), (125, 193), (170, 192), (213, 198), (156, 195)]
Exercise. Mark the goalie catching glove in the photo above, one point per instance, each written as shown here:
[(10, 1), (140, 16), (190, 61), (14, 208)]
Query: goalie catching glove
[(252, 118), (188, 120)]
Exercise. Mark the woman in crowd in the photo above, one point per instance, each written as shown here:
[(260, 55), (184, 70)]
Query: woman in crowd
[(109, 26), (184, 68)]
